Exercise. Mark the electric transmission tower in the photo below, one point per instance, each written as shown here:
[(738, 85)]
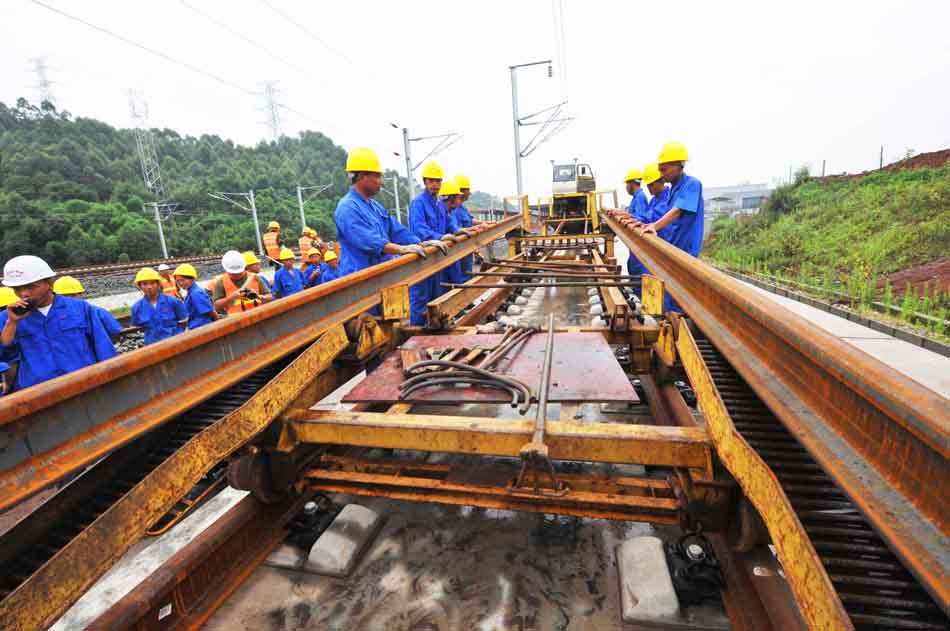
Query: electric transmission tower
[(271, 109), (43, 84), (148, 159)]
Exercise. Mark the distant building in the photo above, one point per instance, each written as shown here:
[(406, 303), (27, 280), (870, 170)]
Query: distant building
[(738, 199)]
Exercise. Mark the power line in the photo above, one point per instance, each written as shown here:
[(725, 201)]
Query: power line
[(312, 35), (247, 39), (147, 49)]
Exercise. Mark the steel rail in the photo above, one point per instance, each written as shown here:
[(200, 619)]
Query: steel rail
[(53, 429), (882, 437)]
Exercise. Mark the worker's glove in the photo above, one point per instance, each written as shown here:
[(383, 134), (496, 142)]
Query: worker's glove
[(414, 248), (448, 236), (439, 244)]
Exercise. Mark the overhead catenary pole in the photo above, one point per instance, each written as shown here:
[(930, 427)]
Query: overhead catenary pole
[(517, 129), (396, 196), (252, 206), (517, 121), (407, 152), (303, 218), (257, 227), (161, 232)]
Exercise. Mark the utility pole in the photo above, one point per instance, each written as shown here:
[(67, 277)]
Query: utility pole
[(408, 153), (396, 195), (272, 110), (546, 130), (880, 160), (822, 168), (445, 141), (516, 123), (300, 200), (148, 160), (158, 222), (257, 225), (43, 84), (252, 207)]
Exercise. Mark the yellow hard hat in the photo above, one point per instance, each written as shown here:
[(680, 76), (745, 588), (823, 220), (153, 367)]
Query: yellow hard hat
[(186, 269), (147, 273), (450, 187), (273, 224), (363, 160), (312, 251), (633, 174), (432, 171), (329, 256), (463, 181), (651, 173), (286, 254), (250, 258), (7, 297), (673, 152), (67, 286)]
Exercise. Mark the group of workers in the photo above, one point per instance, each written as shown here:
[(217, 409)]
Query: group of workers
[(47, 329), (674, 212), (368, 234)]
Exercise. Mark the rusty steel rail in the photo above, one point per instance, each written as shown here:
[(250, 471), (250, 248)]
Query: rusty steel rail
[(53, 429), (883, 438)]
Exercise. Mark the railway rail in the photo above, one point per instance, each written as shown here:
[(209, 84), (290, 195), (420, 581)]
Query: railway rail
[(803, 443)]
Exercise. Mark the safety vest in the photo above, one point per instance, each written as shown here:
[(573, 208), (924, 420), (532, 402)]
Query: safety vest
[(240, 305), (304, 243), (169, 287), (272, 244)]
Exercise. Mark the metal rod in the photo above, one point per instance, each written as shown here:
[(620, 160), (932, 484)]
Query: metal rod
[(520, 285), (553, 274), (545, 387)]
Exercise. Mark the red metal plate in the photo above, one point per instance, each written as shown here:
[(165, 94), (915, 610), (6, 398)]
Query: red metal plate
[(584, 369)]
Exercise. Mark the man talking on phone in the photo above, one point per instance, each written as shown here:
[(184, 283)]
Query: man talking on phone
[(51, 335)]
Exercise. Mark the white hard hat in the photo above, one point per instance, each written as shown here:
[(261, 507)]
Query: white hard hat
[(163, 267), (233, 262), (26, 269)]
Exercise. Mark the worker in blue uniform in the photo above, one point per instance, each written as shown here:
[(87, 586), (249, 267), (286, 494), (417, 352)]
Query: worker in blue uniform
[(156, 312), (685, 216), (314, 267), (288, 280), (638, 210), (49, 335), (451, 197), (69, 286), (198, 303), (465, 221), (367, 233), (430, 221), (330, 270), (656, 208)]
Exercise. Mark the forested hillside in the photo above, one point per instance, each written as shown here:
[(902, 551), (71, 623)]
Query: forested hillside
[(71, 188)]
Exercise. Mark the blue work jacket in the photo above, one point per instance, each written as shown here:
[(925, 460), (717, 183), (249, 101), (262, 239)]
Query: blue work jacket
[(287, 282), (69, 337), (161, 320), (199, 307), (687, 230), (638, 206), (363, 228)]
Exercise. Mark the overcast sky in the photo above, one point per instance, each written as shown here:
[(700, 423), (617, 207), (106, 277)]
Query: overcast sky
[(750, 87)]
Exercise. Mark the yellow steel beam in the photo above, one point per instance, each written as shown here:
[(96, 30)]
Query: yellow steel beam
[(816, 596), (46, 594), (593, 442)]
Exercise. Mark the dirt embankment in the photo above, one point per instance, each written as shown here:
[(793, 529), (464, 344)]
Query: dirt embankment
[(935, 275), (928, 160)]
